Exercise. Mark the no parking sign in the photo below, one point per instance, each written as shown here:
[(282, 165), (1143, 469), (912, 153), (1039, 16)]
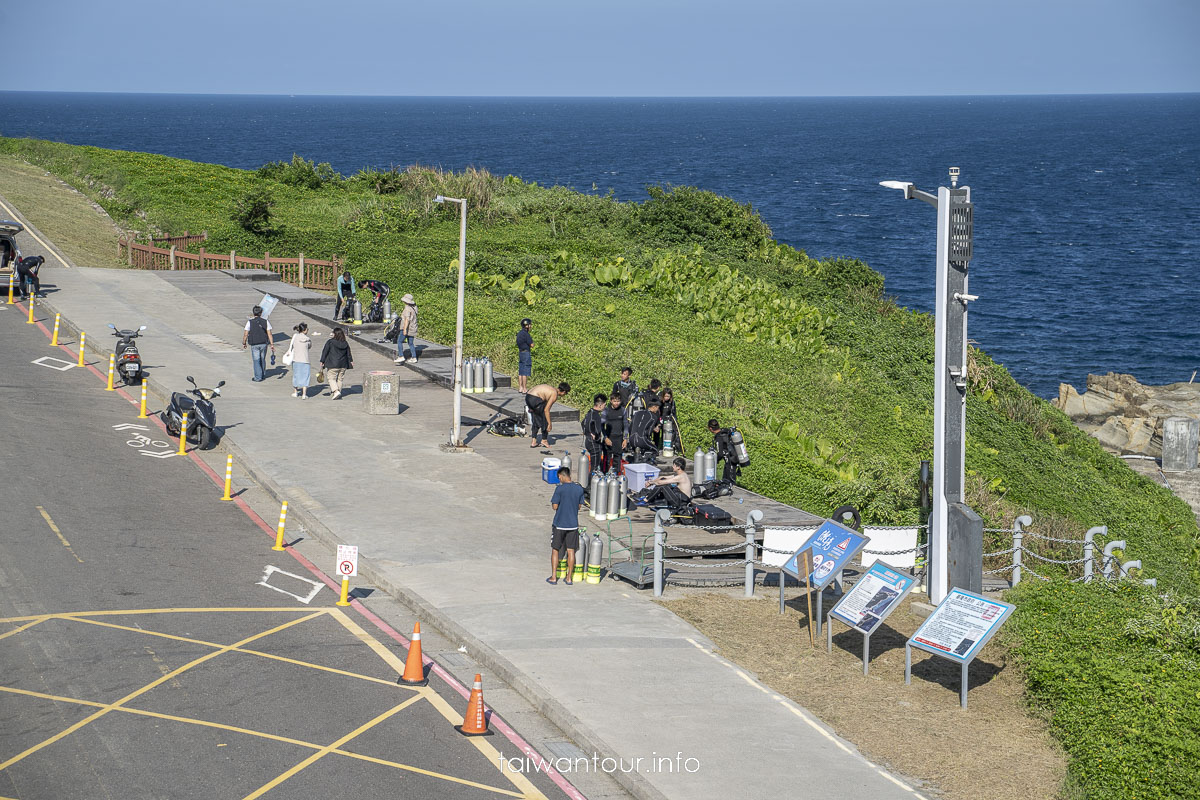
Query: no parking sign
[(347, 560)]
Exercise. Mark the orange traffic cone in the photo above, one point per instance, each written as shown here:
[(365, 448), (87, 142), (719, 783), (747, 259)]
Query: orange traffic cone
[(475, 722), (414, 665)]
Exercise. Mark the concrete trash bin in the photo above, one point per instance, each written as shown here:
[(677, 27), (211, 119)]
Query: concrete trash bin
[(381, 392)]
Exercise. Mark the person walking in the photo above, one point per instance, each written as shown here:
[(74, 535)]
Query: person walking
[(564, 531), (257, 335), (297, 355), (408, 331), (346, 289), (335, 360), (524, 355)]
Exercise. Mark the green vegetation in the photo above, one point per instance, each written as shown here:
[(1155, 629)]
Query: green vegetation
[(828, 378)]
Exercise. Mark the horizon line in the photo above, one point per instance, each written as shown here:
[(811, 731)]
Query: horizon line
[(609, 97)]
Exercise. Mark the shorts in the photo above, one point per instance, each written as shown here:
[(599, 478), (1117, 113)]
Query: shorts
[(525, 363), (560, 537)]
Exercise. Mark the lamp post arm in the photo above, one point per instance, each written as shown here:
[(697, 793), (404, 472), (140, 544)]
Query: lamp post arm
[(916, 194)]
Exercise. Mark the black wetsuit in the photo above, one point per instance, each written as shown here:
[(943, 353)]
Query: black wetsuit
[(615, 430), (593, 435)]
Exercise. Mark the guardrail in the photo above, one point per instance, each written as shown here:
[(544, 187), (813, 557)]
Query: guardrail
[(307, 273)]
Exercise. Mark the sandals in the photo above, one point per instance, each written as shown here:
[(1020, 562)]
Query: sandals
[(552, 581)]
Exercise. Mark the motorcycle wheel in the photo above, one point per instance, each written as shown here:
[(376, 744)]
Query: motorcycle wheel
[(207, 438), (168, 424)]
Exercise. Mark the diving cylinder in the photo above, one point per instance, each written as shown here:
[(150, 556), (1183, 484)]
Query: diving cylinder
[(581, 558), (623, 489), (710, 465), (614, 497), (585, 462), (668, 438), (477, 383), (468, 375), (595, 555), (600, 499), (698, 459), (594, 493), (489, 385), (357, 313), (566, 461), (561, 571), (387, 311), (739, 447)]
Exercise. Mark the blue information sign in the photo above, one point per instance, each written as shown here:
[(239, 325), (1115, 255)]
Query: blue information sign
[(832, 547), (876, 594)]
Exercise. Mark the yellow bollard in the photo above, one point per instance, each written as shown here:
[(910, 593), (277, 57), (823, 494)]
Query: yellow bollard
[(54, 338), (11, 275), (30, 320), (82, 341), (183, 435), (279, 532), (345, 599), (228, 476), (142, 414), (112, 370)]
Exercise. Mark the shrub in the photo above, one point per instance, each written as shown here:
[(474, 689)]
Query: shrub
[(685, 215), (253, 210), (298, 172)]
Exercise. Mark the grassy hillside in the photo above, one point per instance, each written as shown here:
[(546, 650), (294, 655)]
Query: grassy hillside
[(828, 378)]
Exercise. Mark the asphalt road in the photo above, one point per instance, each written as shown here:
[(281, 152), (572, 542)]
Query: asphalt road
[(152, 645)]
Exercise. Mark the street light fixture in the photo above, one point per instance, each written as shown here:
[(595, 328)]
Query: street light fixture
[(953, 526), (456, 424)]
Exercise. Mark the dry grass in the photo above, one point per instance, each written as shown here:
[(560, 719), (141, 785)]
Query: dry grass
[(83, 232), (994, 749)]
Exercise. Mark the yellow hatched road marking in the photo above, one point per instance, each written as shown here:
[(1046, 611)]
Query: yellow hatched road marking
[(262, 735), (26, 626), (132, 695), (58, 533), (119, 611), (244, 650)]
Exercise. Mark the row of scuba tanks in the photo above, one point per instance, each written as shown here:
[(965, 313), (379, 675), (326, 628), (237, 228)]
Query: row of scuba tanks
[(477, 375)]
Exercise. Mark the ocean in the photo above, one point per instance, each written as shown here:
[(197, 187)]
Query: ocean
[(1087, 208)]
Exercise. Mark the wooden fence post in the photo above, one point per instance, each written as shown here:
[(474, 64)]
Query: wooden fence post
[(171, 258), (302, 270), (267, 261), (200, 264), (129, 253)]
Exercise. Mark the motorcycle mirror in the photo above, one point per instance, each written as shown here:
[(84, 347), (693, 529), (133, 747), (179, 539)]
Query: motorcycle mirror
[(142, 328), (191, 380), (220, 384), (114, 327)]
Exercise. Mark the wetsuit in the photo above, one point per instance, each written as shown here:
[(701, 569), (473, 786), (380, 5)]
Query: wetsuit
[(723, 444), (615, 430), (593, 435), (641, 435), (537, 410)]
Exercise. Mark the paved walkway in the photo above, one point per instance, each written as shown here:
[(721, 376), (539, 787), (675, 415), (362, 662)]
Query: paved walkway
[(464, 538)]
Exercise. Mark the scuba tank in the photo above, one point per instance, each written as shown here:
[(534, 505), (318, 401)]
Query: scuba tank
[(595, 556), (600, 499), (739, 447), (357, 313), (623, 488), (614, 498), (387, 310), (581, 557), (566, 459), (585, 462), (468, 375), (592, 492), (710, 465), (698, 470), (489, 384), (668, 438), (477, 382)]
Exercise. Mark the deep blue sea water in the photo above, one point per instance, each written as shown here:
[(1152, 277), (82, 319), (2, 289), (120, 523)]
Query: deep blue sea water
[(1087, 220)]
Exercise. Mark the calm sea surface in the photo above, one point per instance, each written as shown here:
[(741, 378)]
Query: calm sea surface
[(1087, 221)]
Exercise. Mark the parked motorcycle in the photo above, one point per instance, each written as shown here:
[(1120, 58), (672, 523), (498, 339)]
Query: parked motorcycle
[(129, 360), (202, 417)]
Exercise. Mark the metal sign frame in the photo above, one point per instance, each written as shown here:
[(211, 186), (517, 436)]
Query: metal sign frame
[(966, 657), (908, 580), (857, 542)]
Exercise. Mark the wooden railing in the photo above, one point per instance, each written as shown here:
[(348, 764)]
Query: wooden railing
[(308, 273), (182, 242)]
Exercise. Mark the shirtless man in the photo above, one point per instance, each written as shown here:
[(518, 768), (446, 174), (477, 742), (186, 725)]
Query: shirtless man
[(671, 490), (539, 400)]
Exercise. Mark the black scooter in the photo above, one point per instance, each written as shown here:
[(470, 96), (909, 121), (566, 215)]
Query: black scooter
[(129, 360), (202, 417)]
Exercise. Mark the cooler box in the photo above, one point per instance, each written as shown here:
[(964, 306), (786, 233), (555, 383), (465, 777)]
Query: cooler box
[(638, 474), (550, 469)]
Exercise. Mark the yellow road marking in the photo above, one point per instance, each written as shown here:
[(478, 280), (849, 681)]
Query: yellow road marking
[(366, 726), (119, 611), (263, 735), (49, 249), (517, 779), (26, 626), (58, 533), (244, 650), (135, 694)]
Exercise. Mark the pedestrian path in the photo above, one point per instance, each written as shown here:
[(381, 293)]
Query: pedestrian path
[(464, 537)]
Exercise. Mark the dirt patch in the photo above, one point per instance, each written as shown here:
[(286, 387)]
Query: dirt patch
[(994, 749)]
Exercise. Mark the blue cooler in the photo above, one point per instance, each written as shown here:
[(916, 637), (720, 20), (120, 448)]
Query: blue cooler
[(550, 469)]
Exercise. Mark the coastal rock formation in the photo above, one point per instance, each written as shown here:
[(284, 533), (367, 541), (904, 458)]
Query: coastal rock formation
[(1124, 415)]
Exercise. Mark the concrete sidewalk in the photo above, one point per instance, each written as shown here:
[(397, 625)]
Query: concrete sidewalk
[(464, 539)]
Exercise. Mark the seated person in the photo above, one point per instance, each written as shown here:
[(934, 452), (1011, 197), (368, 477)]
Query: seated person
[(672, 491), (642, 427)]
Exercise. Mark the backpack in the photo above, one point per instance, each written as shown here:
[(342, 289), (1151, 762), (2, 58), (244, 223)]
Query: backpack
[(393, 331), (509, 426), (711, 490)]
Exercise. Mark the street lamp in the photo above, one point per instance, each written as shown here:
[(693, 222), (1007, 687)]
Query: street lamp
[(955, 531), (456, 425)]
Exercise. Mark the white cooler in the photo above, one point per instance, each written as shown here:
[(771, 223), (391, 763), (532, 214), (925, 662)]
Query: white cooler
[(638, 474)]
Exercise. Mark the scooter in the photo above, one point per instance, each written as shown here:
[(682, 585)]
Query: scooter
[(202, 417), (129, 360)]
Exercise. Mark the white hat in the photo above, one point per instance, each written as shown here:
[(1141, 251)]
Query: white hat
[(408, 298)]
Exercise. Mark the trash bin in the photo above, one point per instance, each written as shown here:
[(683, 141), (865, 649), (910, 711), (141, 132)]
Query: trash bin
[(381, 392)]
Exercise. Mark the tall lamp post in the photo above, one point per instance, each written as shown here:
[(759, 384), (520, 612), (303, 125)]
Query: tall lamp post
[(955, 557), (456, 424)]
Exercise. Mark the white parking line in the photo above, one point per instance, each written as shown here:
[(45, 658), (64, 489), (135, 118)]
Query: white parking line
[(43, 362), (269, 570)]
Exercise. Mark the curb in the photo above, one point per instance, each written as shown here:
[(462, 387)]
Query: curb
[(547, 706)]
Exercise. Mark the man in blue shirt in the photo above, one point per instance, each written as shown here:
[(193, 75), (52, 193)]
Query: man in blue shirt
[(346, 289), (564, 531), (524, 355)]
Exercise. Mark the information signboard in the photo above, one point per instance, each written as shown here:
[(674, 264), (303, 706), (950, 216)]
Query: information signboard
[(347, 560), (877, 594), (960, 625), (832, 546)]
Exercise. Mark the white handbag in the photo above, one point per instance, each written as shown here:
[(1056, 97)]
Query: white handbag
[(287, 357)]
